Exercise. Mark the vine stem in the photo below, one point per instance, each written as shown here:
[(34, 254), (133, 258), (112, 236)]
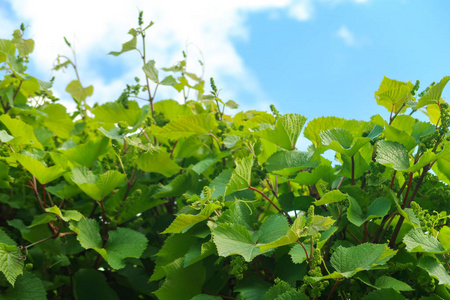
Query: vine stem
[(406, 204), (306, 252), (353, 236), (333, 289), (273, 204), (393, 179)]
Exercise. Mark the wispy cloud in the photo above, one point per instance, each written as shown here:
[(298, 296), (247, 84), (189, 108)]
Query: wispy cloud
[(346, 36), (302, 10)]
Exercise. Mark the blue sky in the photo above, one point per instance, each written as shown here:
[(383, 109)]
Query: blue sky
[(312, 57)]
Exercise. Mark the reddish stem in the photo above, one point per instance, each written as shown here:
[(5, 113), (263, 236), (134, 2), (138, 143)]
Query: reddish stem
[(271, 202)]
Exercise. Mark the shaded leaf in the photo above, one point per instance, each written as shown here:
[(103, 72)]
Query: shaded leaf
[(417, 241), (349, 261)]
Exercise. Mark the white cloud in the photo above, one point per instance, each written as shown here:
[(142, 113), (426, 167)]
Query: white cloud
[(302, 10), (346, 35)]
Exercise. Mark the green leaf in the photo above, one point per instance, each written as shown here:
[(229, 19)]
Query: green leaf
[(5, 239), (150, 71), (318, 125), (158, 162), (316, 174), (88, 234), (10, 265), (433, 96), (252, 288), (232, 239), (389, 293), (58, 120), (186, 126), (91, 284), (331, 197), (115, 112), (22, 132), (434, 268), (284, 291), (287, 130), (63, 190), (78, 92), (296, 231), (349, 261), (417, 241), (219, 183), (96, 186), (27, 287), (319, 223), (395, 135), (392, 94), (342, 141), (68, 214), (123, 243), (169, 80), (392, 154), (377, 209), (128, 46), (387, 282), (298, 254), (87, 154), (175, 248), (42, 173), (24, 46), (444, 237), (288, 162), (171, 109), (41, 219), (184, 284), (183, 221), (241, 176)]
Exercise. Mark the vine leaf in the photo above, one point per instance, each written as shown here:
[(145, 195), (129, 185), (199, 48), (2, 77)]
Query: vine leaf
[(296, 231), (342, 141), (388, 293), (122, 242), (128, 46), (186, 126), (91, 284), (22, 132), (86, 154), (286, 132), (10, 265), (42, 173), (351, 260), (392, 94), (241, 176), (115, 112), (434, 268), (233, 239), (27, 286), (96, 186), (377, 209), (331, 197), (433, 96), (67, 215), (392, 154), (184, 221), (158, 162), (288, 162), (386, 282), (417, 241), (150, 71), (78, 92)]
